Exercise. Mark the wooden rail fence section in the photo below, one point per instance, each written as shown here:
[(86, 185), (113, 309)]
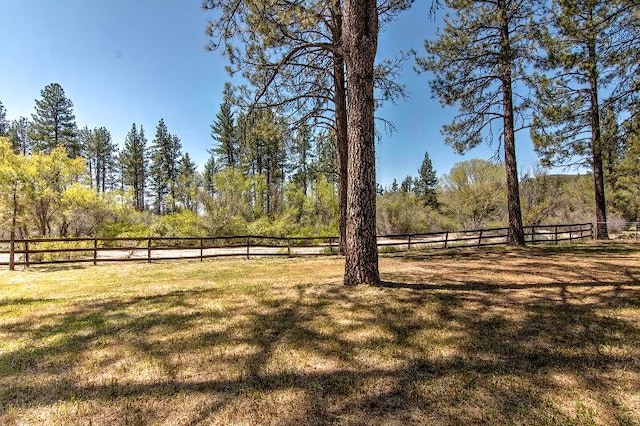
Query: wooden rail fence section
[(41, 251)]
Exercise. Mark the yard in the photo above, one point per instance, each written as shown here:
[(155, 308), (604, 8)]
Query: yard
[(543, 335)]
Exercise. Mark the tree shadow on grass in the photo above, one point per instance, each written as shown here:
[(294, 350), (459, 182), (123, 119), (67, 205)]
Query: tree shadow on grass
[(443, 354)]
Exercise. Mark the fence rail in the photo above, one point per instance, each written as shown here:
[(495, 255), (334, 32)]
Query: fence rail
[(43, 251)]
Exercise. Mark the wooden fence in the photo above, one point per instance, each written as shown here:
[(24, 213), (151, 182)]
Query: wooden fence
[(42, 251)]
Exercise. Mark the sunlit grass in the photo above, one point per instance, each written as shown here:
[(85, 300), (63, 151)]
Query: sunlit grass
[(536, 336)]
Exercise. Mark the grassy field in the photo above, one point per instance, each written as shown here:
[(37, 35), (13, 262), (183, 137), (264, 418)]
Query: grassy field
[(545, 335)]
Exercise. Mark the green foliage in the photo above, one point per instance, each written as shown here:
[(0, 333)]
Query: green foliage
[(468, 57), (188, 183), (4, 125), (580, 65), (134, 159), (225, 132), (19, 135), (100, 152), (405, 213), (178, 224), (163, 171), (53, 123), (586, 66), (85, 210), (426, 182), (474, 194), (627, 191)]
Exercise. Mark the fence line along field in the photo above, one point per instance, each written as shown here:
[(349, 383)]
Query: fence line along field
[(39, 251), (544, 335)]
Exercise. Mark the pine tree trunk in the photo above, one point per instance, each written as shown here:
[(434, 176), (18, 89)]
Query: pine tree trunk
[(360, 42), (516, 232), (596, 148)]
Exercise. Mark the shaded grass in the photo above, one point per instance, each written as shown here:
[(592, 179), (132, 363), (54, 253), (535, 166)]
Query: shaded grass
[(545, 335)]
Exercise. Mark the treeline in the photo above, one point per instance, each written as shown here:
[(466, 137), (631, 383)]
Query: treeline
[(473, 194), (261, 177)]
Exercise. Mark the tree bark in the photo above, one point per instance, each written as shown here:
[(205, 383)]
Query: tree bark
[(516, 232), (360, 42), (596, 147)]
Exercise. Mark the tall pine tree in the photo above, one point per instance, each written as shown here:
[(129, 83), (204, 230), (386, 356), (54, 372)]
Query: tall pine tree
[(53, 123), (478, 60), (158, 171), (223, 130), (100, 152), (586, 66), (135, 165), (426, 182), (188, 183), (208, 179), (163, 170), (19, 135)]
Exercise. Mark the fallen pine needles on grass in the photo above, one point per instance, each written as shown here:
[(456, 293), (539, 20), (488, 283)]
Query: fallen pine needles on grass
[(539, 336)]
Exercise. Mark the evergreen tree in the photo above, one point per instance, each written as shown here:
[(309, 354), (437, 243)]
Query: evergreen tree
[(53, 123), (163, 171), (426, 182), (627, 193), (188, 183), (407, 185), (172, 163), (325, 161), (4, 124), (208, 177), (100, 153), (223, 130), (587, 48), (158, 171), (302, 156), (478, 60), (612, 145), (394, 186), (134, 161), (19, 135)]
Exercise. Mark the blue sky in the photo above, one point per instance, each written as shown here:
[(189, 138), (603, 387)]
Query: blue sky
[(125, 61)]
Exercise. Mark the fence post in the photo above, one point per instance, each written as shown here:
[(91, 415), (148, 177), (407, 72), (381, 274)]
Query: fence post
[(201, 248), (570, 235), (12, 252), (555, 233), (330, 245), (288, 247), (446, 239), (533, 234), (149, 250), (26, 253), (409, 243), (480, 238), (95, 251), (247, 248)]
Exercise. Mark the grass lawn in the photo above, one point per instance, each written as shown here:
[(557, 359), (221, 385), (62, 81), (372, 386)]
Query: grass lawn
[(544, 335)]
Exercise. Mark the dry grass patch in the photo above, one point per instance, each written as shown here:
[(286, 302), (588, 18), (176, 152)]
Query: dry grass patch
[(535, 336)]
